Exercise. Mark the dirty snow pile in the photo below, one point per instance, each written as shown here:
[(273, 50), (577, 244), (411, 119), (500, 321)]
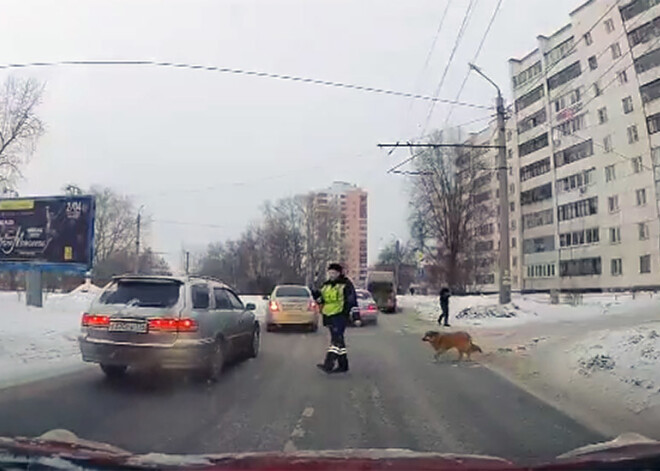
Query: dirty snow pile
[(629, 357), (489, 311), (38, 342)]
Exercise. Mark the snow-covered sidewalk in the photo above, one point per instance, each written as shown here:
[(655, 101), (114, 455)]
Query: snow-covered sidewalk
[(597, 360), (39, 342)]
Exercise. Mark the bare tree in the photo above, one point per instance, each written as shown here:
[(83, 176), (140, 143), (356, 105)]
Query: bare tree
[(115, 228), (450, 207), (20, 127)]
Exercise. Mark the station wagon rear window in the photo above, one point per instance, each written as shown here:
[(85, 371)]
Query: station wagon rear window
[(292, 292), (142, 293)]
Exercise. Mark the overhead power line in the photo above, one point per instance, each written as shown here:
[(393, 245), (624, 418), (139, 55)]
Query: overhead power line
[(253, 73), (475, 58), (457, 42)]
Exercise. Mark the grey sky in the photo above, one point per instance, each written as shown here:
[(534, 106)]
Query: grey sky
[(207, 148)]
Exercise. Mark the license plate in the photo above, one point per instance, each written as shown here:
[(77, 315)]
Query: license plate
[(127, 326)]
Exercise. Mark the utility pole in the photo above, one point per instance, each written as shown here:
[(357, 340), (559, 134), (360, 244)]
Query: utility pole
[(187, 262), (138, 220), (397, 265), (502, 171)]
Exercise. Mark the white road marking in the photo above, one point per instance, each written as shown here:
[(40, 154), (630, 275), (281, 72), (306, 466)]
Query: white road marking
[(298, 431)]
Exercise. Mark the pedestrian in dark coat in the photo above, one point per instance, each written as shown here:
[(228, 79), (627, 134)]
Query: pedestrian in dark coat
[(444, 305)]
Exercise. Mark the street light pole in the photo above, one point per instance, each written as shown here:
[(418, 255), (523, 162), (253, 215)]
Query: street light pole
[(138, 220), (505, 269)]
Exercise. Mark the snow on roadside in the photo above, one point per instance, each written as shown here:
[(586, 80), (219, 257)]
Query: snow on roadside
[(258, 301), (484, 311), (36, 342), (625, 359)]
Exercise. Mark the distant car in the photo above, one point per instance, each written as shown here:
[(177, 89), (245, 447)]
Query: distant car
[(367, 307), (190, 323), (292, 305)]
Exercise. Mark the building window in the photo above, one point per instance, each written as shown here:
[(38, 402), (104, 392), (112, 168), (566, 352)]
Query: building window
[(593, 63), (613, 203), (534, 170), (533, 145), (532, 121), (616, 267), (581, 237), (530, 98), (560, 78), (623, 77), (560, 51), (509, 153), (539, 218), (597, 90), (514, 261), (640, 196), (633, 135), (647, 61), (571, 126), (643, 230), (574, 153), (602, 115), (512, 188), (645, 264), (610, 173), (653, 123), (616, 50), (607, 144), (609, 25), (527, 75), (577, 180), (580, 267), (545, 270), (577, 209), (513, 242), (615, 235), (651, 90), (588, 40), (644, 33), (637, 164), (571, 98), (535, 195), (513, 224), (539, 244), (636, 7), (627, 105)]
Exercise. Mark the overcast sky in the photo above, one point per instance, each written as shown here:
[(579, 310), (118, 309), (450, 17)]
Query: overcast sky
[(202, 150)]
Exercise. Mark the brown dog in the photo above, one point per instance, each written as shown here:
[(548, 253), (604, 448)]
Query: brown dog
[(461, 341)]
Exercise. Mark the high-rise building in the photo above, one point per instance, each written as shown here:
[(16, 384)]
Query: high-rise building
[(351, 202), (587, 144)]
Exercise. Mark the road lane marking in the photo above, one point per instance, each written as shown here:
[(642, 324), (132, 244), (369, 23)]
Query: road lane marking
[(298, 430)]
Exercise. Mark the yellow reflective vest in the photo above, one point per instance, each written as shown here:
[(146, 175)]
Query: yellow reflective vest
[(333, 299)]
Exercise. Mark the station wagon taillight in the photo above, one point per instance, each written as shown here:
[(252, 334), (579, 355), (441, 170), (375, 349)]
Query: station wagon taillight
[(166, 324), (94, 320)]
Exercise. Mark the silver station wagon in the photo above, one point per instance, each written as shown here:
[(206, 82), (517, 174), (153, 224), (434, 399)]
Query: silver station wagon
[(190, 322)]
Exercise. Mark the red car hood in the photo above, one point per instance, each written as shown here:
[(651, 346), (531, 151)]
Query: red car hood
[(63, 447)]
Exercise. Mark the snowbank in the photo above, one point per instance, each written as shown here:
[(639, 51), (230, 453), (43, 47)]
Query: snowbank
[(484, 311), (625, 359), (38, 342)]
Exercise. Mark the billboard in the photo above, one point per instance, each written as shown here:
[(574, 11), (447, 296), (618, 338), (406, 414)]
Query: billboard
[(48, 233)]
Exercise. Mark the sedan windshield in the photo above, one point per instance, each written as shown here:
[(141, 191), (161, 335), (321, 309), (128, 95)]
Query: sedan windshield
[(140, 293)]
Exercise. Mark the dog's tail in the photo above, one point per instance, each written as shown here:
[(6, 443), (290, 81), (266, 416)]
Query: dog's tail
[(475, 348)]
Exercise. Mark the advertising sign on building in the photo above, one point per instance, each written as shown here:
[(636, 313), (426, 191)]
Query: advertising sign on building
[(49, 233)]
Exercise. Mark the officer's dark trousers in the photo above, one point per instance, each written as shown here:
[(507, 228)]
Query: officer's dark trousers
[(337, 349)]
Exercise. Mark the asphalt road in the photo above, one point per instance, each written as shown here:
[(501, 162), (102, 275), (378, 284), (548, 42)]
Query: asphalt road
[(393, 397)]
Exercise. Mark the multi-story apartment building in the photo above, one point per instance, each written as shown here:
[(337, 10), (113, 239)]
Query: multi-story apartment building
[(351, 201), (487, 192), (587, 139)]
